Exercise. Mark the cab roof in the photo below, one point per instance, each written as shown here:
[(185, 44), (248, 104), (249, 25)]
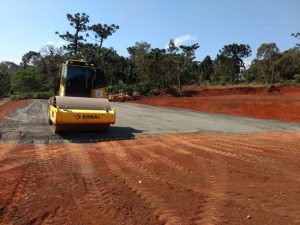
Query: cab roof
[(78, 63)]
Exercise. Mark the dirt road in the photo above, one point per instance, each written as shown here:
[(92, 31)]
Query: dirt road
[(140, 173), (29, 124)]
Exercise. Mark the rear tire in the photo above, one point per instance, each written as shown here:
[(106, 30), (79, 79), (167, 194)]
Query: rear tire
[(49, 103), (57, 128), (49, 120)]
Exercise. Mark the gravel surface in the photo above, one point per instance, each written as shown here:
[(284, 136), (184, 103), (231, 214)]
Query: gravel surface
[(28, 124)]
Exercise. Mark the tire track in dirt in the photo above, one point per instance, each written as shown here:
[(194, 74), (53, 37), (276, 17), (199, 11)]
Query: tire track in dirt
[(260, 162), (216, 183), (205, 146), (254, 152), (58, 214), (259, 156), (149, 154), (212, 211), (96, 198), (19, 200), (5, 150), (266, 144), (281, 146), (6, 162), (161, 208), (88, 199), (74, 188), (184, 156), (260, 153), (203, 214), (138, 211), (185, 179), (289, 136), (146, 161)]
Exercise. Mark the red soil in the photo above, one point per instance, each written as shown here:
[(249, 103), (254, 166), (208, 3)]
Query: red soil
[(261, 102), (204, 178), (8, 107)]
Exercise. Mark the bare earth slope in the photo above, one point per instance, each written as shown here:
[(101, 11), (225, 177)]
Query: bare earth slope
[(236, 170), (281, 104)]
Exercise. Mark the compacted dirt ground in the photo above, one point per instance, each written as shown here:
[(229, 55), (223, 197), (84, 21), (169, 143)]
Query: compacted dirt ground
[(233, 170), (205, 178)]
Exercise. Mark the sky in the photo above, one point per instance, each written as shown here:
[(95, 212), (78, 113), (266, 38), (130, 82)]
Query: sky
[(31, 24)]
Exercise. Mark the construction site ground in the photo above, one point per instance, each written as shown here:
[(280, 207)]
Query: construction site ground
[(154, 166), (281, 103)]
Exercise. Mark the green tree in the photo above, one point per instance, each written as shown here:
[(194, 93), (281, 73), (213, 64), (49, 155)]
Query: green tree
[(4, 83), (92, 53), (138, 55), (206, 69), (79, 22), (7, 69), (288, 64), (102, 32), (156, 72), (30, 58), (233, 55), (172, 65), (225, 70), (252, 74), (267, 54), (187, 58), (48, 68), (297, 35), (95, 53), (113, 65)]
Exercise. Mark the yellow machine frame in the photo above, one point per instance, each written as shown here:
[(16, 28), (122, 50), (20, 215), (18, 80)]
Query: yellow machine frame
[(75, 116)]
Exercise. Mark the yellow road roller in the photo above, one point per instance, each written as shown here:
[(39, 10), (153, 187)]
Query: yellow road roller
[(81, 104)]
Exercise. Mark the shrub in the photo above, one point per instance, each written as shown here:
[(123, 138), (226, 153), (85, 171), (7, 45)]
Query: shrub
[(42, 94), (154, 92), (36, 95), (110, 89), (24, 95), (297, 78), (25, 81)]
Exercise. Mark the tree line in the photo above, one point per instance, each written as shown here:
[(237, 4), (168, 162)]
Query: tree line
[(146, 69)]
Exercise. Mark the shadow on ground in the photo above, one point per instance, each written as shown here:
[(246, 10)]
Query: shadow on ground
[(114, 133)]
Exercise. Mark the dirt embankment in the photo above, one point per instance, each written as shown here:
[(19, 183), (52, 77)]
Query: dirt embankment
[(281, 103), (204, 178)]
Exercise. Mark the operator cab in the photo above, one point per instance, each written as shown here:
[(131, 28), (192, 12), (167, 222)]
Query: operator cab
[(80, 79)]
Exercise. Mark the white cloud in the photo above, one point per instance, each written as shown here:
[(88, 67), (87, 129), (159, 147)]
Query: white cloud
[(247, 63), (50, 43), (182, 39), (56, 43)]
